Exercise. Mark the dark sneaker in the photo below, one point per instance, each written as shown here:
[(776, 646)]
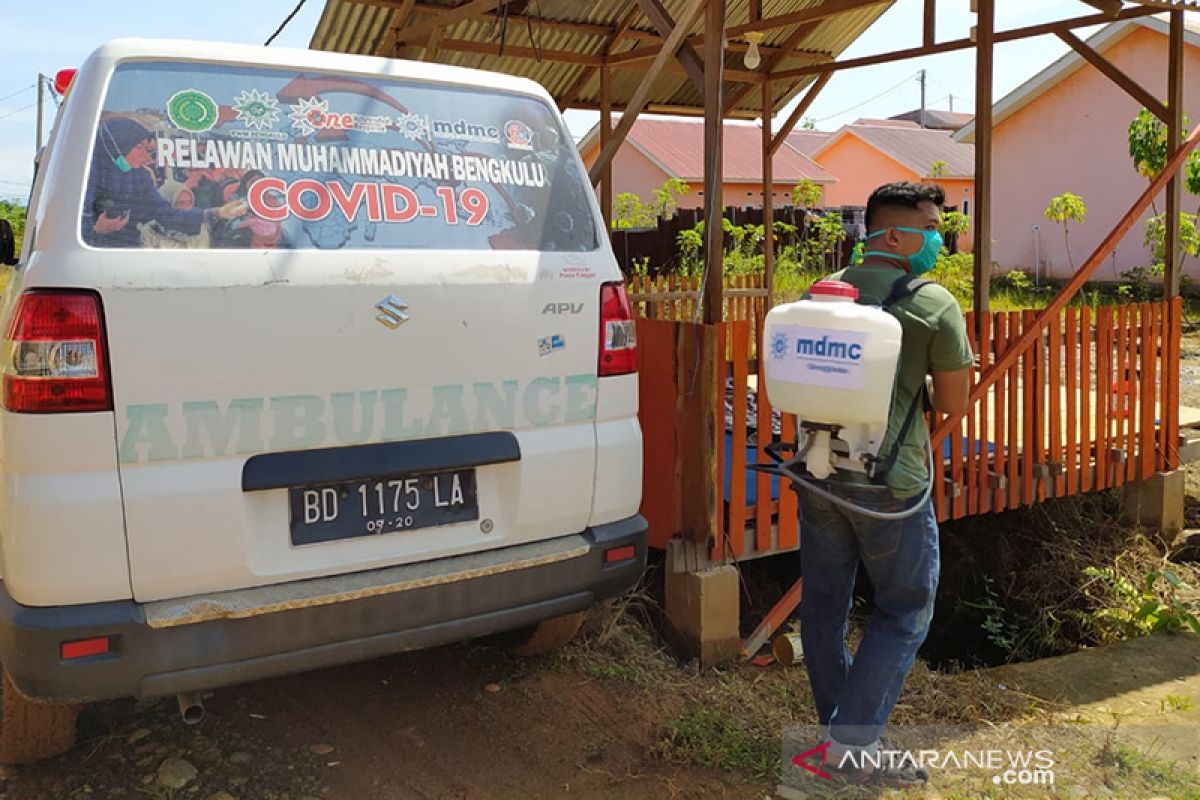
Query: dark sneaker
[(896, 776), (887, 775)]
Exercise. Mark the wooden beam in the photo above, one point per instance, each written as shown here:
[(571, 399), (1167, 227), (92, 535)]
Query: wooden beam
[(737, 75), (768, 168), (798, 112), (985, 36), (387, 47), (570, 26), (667, 108), (829, 8), (1175, 61), (1013, 35), (929, 28), (1099, 256), (642, 93), (432, 45), (585, 76), (1109, 7), (648, 52), (509, 50), (420, 30), (1110, 70), (606, 176), (714, 179), (773, 61), (662, 22)]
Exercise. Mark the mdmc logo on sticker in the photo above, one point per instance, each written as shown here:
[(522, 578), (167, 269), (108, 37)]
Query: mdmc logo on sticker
[(518, 135), (779, 345)]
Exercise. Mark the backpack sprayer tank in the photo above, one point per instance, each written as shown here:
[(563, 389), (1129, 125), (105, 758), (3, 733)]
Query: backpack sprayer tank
[(832, 363)]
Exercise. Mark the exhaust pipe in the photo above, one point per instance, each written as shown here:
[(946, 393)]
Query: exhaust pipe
[(191, 707)]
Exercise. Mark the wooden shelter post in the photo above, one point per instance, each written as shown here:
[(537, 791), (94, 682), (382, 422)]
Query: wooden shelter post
[(1172, 260), (702, 598), (768, 203), (606, 175), (985, 37), (714, 235)]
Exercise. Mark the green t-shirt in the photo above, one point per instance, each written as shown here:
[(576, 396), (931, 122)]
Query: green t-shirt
[(934, 340)]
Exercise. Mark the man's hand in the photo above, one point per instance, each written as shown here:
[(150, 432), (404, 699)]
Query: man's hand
[(108, 224), (951, 391)]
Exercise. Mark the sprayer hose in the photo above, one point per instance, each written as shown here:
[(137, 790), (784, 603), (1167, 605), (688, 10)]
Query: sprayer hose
[(886, 516)]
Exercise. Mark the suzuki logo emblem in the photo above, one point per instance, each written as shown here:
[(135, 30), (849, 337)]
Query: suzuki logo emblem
[(391, 312)]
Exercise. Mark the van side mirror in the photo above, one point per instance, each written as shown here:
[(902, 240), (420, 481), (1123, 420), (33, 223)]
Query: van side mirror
[(8, 244)]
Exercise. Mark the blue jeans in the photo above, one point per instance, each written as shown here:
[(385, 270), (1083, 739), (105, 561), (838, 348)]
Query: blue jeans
[(855, 695)]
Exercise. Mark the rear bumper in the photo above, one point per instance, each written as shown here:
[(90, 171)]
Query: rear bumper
[(149, 661)]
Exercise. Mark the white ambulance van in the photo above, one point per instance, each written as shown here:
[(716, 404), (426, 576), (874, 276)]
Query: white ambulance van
[(309, 358)]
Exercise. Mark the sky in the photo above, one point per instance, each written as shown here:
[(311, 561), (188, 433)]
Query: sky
[(50, 35)]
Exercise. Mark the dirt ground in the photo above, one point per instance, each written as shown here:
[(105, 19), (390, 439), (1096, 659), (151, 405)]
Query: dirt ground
[(473, 723), (464, 722)]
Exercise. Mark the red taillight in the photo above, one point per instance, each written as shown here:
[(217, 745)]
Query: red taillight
[(84, 648), (618, 332), (54, 355), (616, 554)]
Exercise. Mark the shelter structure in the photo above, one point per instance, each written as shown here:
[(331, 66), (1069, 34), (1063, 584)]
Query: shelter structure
[(1036, 427)]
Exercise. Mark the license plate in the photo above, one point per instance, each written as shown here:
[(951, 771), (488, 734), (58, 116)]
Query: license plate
[(376, 506)]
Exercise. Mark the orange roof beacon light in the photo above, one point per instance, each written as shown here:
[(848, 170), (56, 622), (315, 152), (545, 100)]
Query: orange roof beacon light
[(63, 80)]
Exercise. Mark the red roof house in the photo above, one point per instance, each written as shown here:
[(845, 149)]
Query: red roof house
[(658, 149)]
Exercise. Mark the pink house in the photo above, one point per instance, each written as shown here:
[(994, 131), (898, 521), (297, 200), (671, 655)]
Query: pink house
[(658, 149), (1066, 129), (871, 152)]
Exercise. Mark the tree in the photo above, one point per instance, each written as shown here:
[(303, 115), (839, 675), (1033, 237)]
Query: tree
[(630, 211), (15, 214), (954, 223), (938, 169), (808, 124), (1067, 207), (1148, 147), (666, 197), (806, 194)]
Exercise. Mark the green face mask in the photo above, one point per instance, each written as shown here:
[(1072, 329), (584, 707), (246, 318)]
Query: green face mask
[(921, 261)]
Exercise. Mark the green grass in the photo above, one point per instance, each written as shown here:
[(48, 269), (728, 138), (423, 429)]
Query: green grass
[(712, 738), (1131, 766)]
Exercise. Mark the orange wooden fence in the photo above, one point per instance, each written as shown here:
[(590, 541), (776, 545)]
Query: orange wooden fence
[(1086, 406), (674, 297)]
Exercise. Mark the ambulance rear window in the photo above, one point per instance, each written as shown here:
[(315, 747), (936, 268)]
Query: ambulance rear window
[(223, 156)]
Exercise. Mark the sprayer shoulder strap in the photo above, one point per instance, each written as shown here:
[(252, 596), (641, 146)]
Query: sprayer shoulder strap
[(905, 286)]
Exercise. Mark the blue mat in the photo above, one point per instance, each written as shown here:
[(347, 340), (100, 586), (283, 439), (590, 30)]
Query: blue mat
[(964, 446), (751, 476)]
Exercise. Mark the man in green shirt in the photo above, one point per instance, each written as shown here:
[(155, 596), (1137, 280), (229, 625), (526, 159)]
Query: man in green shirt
[(855, 695)]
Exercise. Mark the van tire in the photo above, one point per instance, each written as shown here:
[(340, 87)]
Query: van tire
[(31, 731), (547, 636)]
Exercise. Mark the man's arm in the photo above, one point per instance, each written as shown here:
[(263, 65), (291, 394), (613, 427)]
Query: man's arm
[(951, 390), (950, 362)]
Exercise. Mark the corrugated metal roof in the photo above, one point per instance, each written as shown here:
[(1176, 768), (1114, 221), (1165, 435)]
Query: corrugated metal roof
[(914, 147), (807, 142), (678, 145), (362, 26), (936, 118)]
